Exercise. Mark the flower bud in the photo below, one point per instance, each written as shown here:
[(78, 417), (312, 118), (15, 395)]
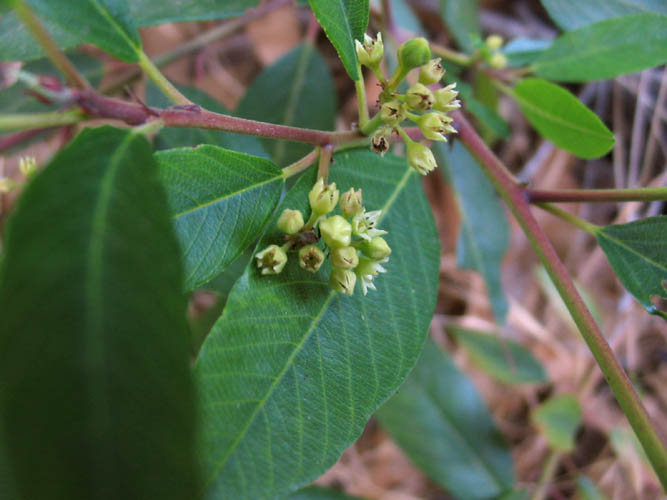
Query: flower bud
[(414, 53), (290, 221), (431, 72), (494, 42), (271, 260), (336, 231), (420, 157), (434, 126), (351, 203), (376, 249), (342, 280), (419, 97), (27, 165), (392, 113), (311, 258), (345, 257), (371, 51), (445, 99), (323, 198), (498, 61), (380, 141)]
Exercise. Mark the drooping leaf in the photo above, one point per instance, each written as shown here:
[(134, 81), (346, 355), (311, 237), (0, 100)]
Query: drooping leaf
[(562, 118), (587, 490), (296, 90), (606, 49), (343, 21), (462, 20), (104, 23), (558, 419), (523, 51), (315, 493), (149, 12), (484, 231), (219, 201), (293, 370), (190, 137), (504, 359), (96, 398), (572, 14), (441, 423), (637, 252)]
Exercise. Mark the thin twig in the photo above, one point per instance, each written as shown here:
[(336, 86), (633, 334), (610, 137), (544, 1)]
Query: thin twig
[(596, 195)]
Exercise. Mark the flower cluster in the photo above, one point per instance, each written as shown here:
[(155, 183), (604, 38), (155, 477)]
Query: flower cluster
[(352, 240), (422, 104), (489, 51)]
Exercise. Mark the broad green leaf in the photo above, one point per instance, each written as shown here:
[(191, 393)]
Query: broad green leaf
[(484, 231), (149, 12), (104, 23), (523, 51), (315, 493), (405, 17), (572, 14), (343, 21), (96, 399), (293, 370), (441, 423), (462, 20), (296, 90), (219, 201), (484, 106), (558, 419), (606, 49), (505, 360), (562, 118), (189, 137), (637, 252), (587, 490)]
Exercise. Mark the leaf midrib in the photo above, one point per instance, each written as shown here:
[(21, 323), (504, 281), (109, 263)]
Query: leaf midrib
[(105, 14)]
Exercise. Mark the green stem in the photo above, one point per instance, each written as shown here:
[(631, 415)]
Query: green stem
[(623, 390), (547, 475), (25, 121), (569, 218), (161, 81), (361, 98), (372, 124), (301, 165), (325, 161), (451, 55), (596, 195), (149, 128)]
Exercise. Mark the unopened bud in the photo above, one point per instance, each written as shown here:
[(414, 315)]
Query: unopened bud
[(419, 97), (345, 257), (445, 99), (342, 280), (311, 258), (498, 61), (271, 260), (392, 113), (431, 72), (323, 197), (290, 221), (434, 126), (414, 53), (494, 42), (376, 249), (27, 165), (351, 203), (371, 51), (336, 231), (420, 157)]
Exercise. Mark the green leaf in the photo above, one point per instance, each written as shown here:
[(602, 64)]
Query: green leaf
[(558, 419), (562, 118), (293, 370), (606, 49), (343, 21), (637, 252), (441, 423), (505, 360), (296, 90), (587, 490), (523, 51), (148, 13), (315, 493), (104, 23), (462, 20), (96, 393), (189, 137), (219, 201), (484, 231), (572, 14)]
